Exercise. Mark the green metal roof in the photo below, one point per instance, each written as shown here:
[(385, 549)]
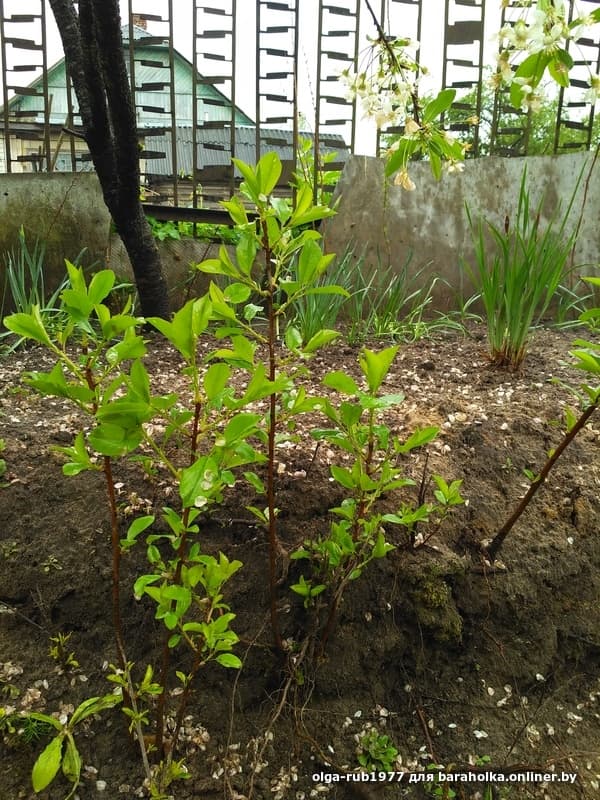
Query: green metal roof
[(213, 105)]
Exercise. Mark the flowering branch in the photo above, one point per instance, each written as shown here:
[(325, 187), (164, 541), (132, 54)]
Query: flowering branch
[(543, 34), (388, 92)]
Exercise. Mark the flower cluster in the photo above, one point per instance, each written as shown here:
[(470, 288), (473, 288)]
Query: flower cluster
[(387, 86), (387, 91), (542, 34)]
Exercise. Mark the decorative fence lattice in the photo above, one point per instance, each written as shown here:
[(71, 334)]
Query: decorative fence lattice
[(214, 79)]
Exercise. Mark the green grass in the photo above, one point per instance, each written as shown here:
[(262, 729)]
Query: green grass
[(519, 280)]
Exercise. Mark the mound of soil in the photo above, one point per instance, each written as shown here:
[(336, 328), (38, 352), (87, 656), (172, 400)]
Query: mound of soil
[(459, 663)]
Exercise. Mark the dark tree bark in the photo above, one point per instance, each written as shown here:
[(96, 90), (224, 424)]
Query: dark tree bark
[(93, 48)]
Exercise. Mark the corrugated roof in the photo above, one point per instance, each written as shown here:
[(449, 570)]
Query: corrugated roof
[(214, 147), (213, 102)]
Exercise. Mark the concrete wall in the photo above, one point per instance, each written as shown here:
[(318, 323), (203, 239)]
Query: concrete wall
[(66, 212), (389, 223)]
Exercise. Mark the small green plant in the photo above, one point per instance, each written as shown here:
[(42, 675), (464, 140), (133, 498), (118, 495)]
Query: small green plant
[(523, 275), (207, 231), (25, 284), (374, 470), (62, 752), (387, 304), (278, 237), (99, 368), (60, 652), (435, 788), (572, 304), (315, 312), (376, 752)]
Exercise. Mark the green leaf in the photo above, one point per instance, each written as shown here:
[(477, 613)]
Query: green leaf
[(250, 178), (268, 172), (130, 347), (329, 289), (198, 480), (320, 339), (282, 209), (237, 293), (255, 482), (140, 381), (71, 763), (259, 514), (375, 365), (418, 439), (216, 379), (400, 157), (93, 705), (47, 764), (435, 163), (179, 330), (560, 67), (236, 210), (293, 338), (240, 427), (101, 286), (76, 278), (308, 261), (381, 547), (350, 414), (138, 526), (304, 199), (343, 477), (45, 718), (438, 105), (246, 252), (185, 327), (54, 383), (251, 310), (314, 214), (29, 326), (586, 361), (532, 71), (229, 660), (80, 458), (341, 382), (113, 440)]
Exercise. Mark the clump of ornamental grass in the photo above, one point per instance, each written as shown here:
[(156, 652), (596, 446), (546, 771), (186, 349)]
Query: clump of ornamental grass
[(518, 277)]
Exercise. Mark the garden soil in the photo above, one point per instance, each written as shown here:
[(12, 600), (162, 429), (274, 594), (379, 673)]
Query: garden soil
[(460, 663)]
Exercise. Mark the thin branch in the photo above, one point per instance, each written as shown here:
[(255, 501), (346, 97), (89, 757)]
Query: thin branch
[(492, 550)]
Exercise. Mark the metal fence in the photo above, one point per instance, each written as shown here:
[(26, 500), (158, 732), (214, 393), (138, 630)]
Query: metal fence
[(214, 79)]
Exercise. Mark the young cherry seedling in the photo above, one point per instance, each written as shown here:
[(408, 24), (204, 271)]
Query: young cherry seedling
[(358, 535)]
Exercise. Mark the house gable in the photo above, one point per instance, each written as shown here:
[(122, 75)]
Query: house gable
[(152, 94)]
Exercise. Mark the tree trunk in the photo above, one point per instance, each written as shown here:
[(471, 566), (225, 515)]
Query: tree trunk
[(95, 60)]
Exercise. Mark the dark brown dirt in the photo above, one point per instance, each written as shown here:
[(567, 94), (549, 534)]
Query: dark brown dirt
[(454, 661)]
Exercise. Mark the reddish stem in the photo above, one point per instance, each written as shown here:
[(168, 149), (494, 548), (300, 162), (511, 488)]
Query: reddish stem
[(116, 563), (272, 528), (181, 553), (498, 540)]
